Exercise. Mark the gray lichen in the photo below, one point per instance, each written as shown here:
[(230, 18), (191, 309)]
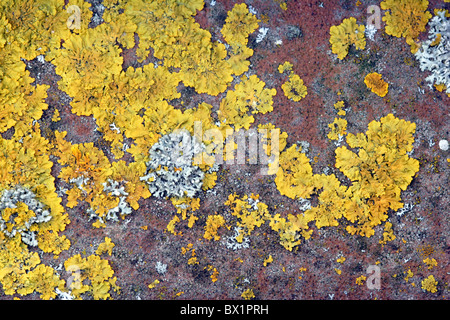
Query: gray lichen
[(436, 58), (10, 198), (170, 170), (114, 188)]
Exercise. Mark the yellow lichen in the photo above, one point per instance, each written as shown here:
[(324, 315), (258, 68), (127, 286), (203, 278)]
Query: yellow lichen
[(134, 106), (27, 164), (21, 270), (21, 102), (186, 207), (294, 179), (430, 263), (91, 275), (378, 173), (273, 142), (248, 97), (346, 34), (86, 63), (406, 18), (294, 88), (338, 129), (215, 274), (153, 284), (251, 213), (239, 24), (213, 223), (286, 67), (106, 246), (267, 261), (171, 225), (248, 294), (175, 37), (360, 280), (429, 284), (290, 230), (409, 275), (388, 234), (341, 259), (339, 106)]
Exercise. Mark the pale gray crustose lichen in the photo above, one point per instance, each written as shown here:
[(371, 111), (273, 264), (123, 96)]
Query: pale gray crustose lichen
[(10, 198), (436, 58), (170, 170)]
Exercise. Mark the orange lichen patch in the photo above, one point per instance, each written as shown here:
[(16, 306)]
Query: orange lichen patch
[(426, 250), (375, 83), (346, 34), (406, 18)]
